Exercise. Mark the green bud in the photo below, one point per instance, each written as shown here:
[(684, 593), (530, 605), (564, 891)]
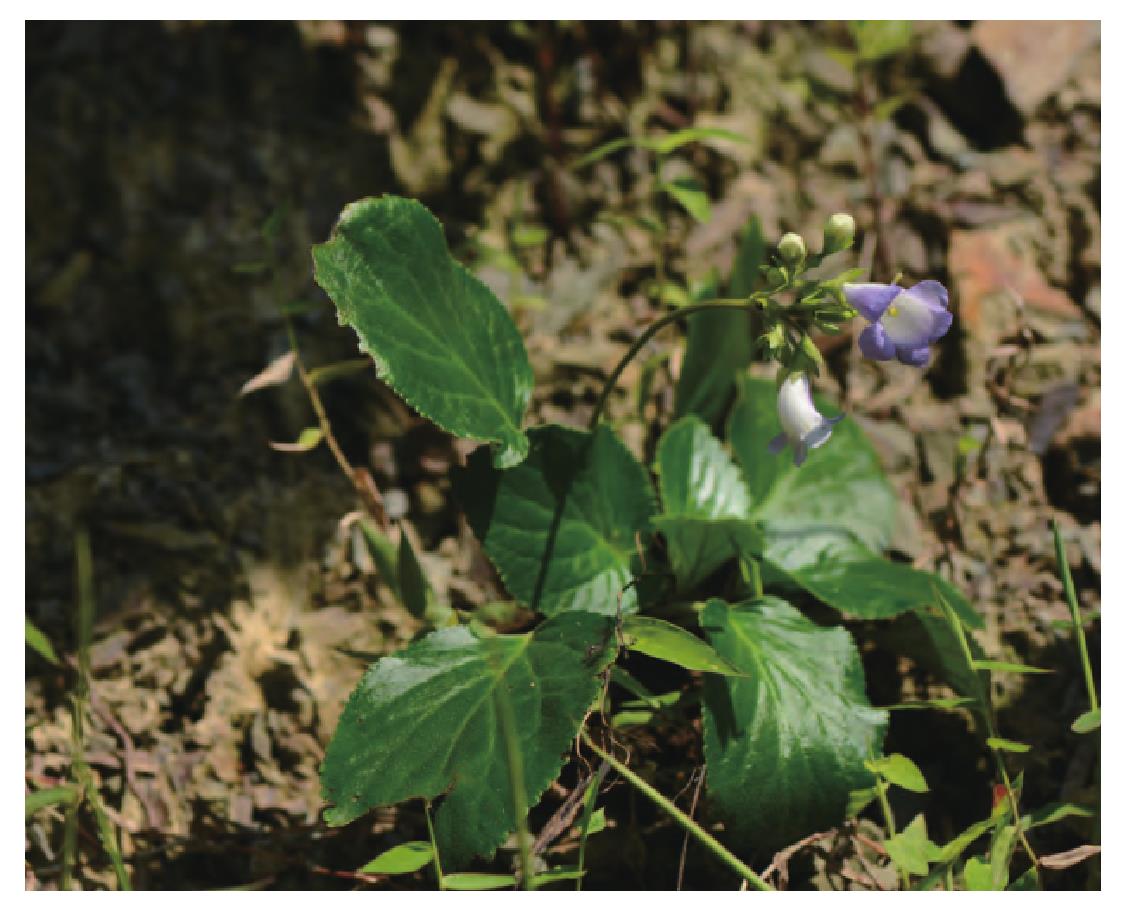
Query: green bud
[(809, 355), (792, 249), (838, 234)]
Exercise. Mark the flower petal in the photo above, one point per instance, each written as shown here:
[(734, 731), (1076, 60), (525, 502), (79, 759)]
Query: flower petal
[(777, 443), (941, 322), (871, 299), (875, 344), (909, 321), (914, 355), (821, 434), (930, 291), (800, 454)]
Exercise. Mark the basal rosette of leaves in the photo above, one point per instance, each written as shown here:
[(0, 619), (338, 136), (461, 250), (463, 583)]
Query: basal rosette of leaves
[(576, 525)]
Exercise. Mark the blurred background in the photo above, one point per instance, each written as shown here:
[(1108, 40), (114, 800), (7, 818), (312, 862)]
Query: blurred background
[(177, 175)]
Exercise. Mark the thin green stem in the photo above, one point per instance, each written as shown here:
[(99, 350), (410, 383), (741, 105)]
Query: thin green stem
[(687, 823), (645, 337), (891, 826), (660, 253), (585, 821), (1075, 613), (436, 861), (989, 720)]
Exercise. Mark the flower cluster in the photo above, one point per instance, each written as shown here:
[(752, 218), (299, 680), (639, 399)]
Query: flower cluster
[(903, 324)]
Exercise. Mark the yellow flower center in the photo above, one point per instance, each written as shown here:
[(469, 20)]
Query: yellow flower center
[(892, 310)]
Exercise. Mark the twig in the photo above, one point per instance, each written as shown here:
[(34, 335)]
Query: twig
[(703, 836), (700, 772)]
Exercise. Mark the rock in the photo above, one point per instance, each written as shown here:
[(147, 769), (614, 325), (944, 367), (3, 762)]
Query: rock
[(1033, 58)]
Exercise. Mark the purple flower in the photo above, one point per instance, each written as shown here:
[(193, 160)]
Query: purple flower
[(804, 427), (903, 322)]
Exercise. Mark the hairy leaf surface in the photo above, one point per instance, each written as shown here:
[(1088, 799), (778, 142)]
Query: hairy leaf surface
[(427, 722), (786, 745), (581, 498), (438, 335)]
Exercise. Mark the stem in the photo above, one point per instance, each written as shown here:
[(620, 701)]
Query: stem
[(645, 338), (434, 846), (698, 832), (1075, 612), (585, 821), (318, 406), (660, 254), (989, 721), (891, 826)]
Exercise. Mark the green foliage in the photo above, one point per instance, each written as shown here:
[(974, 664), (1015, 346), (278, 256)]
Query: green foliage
[(63, 794), (879, 38), (696, 476), (697, 546), (911, 850), (427, 722), (719, 343), (437, 334), (669, 642), (786, 745), (475, 881), (39, 643), (403, 859), (842, 487), (689, 193), (899, 770), (563, 526)]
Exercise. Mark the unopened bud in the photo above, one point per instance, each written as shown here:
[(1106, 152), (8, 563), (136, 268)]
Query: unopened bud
[(792, 249), (838, 234)]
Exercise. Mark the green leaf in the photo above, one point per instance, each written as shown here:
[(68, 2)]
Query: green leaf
[(581, 497), (307, 440), (705, 501), (846, 576), (1006, 745), (385, 554), (688, 192), (602, 151), (1004, 667), (1051, 814), (786, 745), (697, 546), (1026, 881), (719, 343), (696, 476), (880, 38), (324, 374), (438, 335), (938, 704), (416, 592), (474, 881), (529, 235), (840, 486), (669, 143), (554, 875), (401, 860), (1002, 851), (911, 849), (39, 642), (668, 642), (1087, 722), (64, 794), (899, 770), (427, 722), (977, 874)]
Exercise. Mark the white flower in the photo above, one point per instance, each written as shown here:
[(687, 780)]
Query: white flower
[(804, 427)]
